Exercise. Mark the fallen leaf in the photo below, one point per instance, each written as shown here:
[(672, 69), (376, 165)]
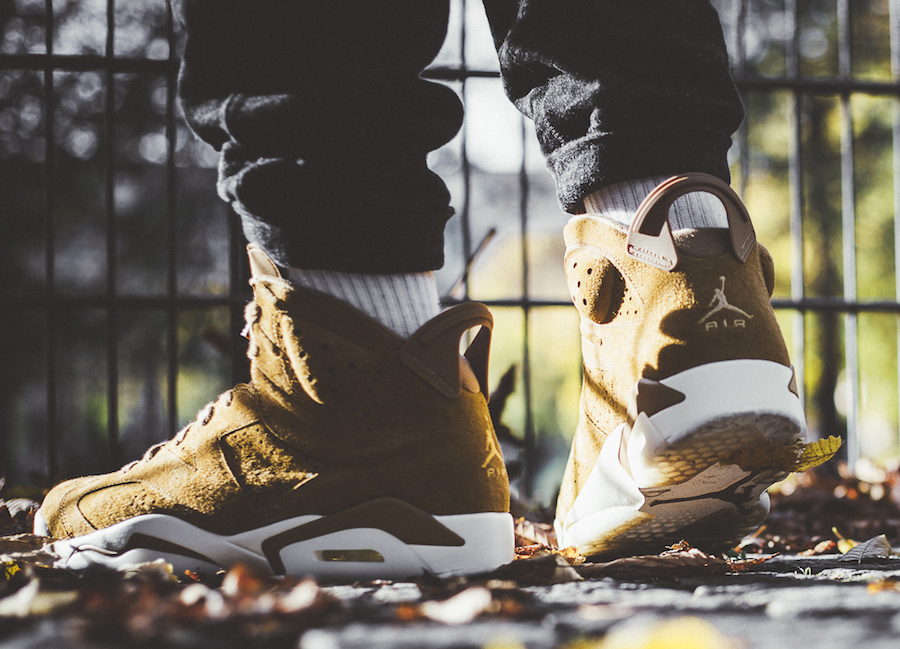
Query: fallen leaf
[(823, 547), (27, 549), (890, 584), (531, 533), (540, 567), (240, 581), (686, 632), (816, 453), (459, 609), (571, 554), (22, 543), (300, 598), (30, 601), (679, 561), (875, 548), (844, 545), (10, 568)]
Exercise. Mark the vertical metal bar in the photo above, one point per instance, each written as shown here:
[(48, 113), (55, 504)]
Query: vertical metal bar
[(112, 349), (848, 220), (743, 134), (798, 330), (235, 313), (50, 247), (530, 441), (171, 229), (851, 322), (465, 166), (895, 132)]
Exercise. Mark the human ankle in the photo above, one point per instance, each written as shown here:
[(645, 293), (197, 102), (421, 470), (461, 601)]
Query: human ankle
[(402, 302), (619, 203)]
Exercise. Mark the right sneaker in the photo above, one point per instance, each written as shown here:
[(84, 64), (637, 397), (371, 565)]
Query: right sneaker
[(689, 407), (352, 454)]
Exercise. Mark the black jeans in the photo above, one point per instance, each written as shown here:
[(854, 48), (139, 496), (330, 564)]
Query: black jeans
[(324, 124)]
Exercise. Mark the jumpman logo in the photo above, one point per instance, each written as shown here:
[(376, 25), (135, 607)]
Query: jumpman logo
[(720, 303), (493, 452)]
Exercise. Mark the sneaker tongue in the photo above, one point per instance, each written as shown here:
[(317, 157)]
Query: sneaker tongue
[(705, 242)]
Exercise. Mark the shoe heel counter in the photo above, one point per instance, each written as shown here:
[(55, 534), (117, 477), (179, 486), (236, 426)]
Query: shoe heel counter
[(462, 467)]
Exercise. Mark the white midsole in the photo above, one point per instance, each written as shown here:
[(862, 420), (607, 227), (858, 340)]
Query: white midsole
[(719, 389), (611, 496), (489, 543)]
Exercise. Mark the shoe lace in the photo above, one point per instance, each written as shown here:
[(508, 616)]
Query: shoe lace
[(203, 418)]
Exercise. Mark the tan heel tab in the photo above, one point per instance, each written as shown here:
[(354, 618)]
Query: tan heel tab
[(650, 238), (432, 352), (261, 265)]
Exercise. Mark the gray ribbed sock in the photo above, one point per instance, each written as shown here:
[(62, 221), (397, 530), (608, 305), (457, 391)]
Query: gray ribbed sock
[(401, 302), (620, 202)]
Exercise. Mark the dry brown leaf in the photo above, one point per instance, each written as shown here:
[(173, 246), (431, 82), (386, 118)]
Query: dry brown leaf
[(31, 600), (682, 560), (824, 547), (459, 609), (531, 533), (875, 548), (537, 566)]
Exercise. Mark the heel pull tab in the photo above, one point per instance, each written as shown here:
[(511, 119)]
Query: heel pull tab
[(432, 352), (650, 238), (261, 265)]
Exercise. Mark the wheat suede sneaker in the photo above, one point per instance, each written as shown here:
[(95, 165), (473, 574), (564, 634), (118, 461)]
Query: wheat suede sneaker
[(352, 454), (689, 406)]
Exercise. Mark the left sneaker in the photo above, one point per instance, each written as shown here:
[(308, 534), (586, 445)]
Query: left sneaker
[(351, 454), (689, 408)]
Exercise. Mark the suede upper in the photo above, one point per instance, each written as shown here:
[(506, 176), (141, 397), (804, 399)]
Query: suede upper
[(639, 321), (339, 411)]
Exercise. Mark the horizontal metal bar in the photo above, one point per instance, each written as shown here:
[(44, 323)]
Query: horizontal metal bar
[(103, 301), (85, 63), (817, 85), (88, 62), (836, 305), (825, 304), (813, 85), (181, 301), (447, 73)]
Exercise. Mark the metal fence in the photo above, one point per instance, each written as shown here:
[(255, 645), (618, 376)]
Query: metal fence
[(161, 269)]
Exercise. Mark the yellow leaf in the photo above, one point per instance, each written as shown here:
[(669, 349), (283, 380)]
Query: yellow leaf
[(10, 569), (816, 453), (845, 545), (687, 632)]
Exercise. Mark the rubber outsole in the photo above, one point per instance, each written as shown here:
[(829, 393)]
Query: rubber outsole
[(474, 543), (695, 471)]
